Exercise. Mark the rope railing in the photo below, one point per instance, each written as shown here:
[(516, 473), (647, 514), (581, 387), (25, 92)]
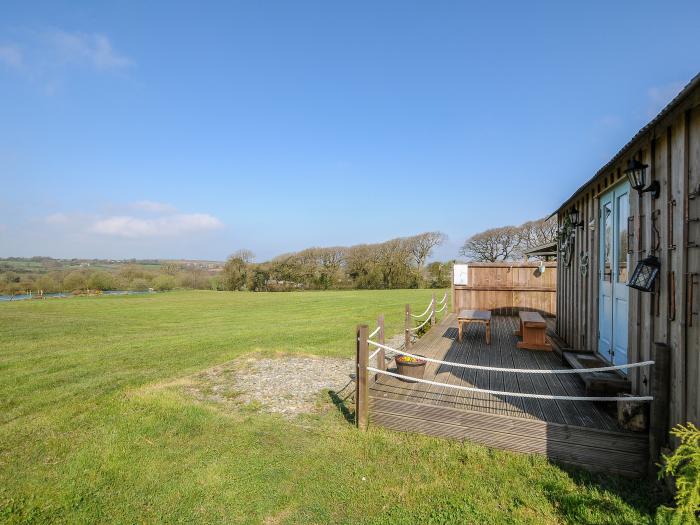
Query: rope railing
[(430, 305), (514, 370), (443, 300), (441, 308), (376, 331), (513, 394), (415, 329)]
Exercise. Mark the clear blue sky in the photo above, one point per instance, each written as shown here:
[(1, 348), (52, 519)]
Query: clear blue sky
[(165, 129)]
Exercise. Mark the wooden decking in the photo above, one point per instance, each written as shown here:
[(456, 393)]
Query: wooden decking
[(577, 432)]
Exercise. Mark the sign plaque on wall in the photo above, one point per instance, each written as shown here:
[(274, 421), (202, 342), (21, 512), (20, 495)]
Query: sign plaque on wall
[(461, 274)]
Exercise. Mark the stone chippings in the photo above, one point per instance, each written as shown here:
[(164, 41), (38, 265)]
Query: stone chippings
[(284, 385)]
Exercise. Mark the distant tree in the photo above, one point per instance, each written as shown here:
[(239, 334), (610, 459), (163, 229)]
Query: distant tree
[(235, 272), (538, 233), (171, 268), (496, 244), (139, 285), (164, 282), (439, 274), (75, 280), (422, 246), (100, 280), (47, 283)]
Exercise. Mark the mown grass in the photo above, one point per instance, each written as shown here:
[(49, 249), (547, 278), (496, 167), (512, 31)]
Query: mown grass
[(94, 428)]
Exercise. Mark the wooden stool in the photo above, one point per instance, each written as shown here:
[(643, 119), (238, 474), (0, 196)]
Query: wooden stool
[(474, 316), (533, 330)]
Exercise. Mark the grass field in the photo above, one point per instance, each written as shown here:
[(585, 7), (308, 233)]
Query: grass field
[(93, 427)]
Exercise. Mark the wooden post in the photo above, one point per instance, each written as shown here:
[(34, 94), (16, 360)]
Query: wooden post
[(361, 385), (407, 334), (381, 363), (432, 313), (658, 411)]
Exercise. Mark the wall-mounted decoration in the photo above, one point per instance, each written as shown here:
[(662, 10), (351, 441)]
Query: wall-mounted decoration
[(583, 263), (645, 274), (566, 241)]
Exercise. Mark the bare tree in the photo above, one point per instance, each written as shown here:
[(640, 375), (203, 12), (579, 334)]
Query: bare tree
[(538, 233), (244, 255), (496, 244), (422, 246)]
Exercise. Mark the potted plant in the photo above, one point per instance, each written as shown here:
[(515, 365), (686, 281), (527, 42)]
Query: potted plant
[(410, 367)]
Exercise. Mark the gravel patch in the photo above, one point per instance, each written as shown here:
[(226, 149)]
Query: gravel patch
[(285, 385)]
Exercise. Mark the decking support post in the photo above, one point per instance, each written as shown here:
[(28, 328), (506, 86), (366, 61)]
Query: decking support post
[(432, 313), (658, 411), (407, 330), (381, 363), (361, 384)]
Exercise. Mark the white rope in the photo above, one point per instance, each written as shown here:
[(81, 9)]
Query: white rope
[(517, 370), (444, 298), (513, 394), (373, 354), (441, 309), (426, 310), (376, 331), (420, 325)]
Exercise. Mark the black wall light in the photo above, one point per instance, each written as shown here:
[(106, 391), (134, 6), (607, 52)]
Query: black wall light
[(636, 174), (575, 217), (645, 274)]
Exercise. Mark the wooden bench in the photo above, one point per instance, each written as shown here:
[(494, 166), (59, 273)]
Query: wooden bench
[(533, 330), (474, 316)]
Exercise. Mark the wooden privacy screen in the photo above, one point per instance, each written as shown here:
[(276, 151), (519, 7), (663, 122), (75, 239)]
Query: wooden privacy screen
[(506, 288)]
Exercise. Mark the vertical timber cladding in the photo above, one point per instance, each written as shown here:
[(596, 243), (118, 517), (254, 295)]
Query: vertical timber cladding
[(693, 267), (668, 227)]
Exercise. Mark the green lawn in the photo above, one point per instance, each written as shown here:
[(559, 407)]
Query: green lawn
[(93, 427)]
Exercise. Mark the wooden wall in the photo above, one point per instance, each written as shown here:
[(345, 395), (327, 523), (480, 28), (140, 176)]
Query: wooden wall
[(505, 288), (668, 227)]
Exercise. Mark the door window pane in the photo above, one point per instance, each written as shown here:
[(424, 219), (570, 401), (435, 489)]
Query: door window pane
[(607, 240), (622, 215)]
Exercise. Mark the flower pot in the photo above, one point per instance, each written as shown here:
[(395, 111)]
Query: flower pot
[(410, 368)]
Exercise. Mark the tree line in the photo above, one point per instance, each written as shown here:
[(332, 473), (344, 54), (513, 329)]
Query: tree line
[(397, 263), (507, 243)]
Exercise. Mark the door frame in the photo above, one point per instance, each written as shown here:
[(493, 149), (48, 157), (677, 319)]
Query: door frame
[(611, 194)]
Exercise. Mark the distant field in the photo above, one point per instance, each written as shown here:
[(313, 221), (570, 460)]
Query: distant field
[(94, 429)]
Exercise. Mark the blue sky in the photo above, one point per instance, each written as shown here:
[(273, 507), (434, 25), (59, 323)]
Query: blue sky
[(168, 130)]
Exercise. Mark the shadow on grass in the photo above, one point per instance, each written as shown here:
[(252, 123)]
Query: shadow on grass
[(644, 495), (340, 398)]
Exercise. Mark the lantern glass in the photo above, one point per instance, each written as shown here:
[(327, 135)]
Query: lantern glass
[(645, 274), (636, 174), (573, 216)]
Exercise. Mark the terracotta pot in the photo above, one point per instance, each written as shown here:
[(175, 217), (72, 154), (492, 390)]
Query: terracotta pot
[(414, 370)]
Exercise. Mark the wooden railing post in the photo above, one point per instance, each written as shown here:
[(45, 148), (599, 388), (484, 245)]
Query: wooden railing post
[(361, 385), (658, 411), (407, 335), (381, 363), (432, 313)]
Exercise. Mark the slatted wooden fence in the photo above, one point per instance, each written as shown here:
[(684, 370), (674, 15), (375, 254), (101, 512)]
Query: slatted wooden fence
[(506, 288)]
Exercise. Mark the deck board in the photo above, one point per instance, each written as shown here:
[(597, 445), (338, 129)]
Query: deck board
[(582, 433)]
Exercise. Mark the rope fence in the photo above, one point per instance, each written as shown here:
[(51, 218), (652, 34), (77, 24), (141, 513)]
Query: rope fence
[(426, 310), (514, 370), (415, 329), (513, 394)]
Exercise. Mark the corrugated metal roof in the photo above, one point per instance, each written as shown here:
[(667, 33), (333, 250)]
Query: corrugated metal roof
[(695, 82)]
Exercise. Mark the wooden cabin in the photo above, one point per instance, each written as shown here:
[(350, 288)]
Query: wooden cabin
[(607, 228)]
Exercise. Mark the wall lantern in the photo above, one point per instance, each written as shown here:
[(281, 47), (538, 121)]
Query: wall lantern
[(636, 173), (574, 218), (645, 274)]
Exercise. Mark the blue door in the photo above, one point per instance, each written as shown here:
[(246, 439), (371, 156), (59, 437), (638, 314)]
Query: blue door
[(614, 271)]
